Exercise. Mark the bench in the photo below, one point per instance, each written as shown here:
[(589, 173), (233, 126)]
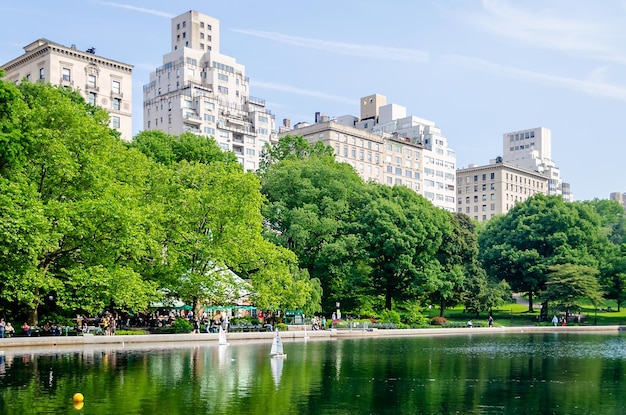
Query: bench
[(246, 328), (458, 324)]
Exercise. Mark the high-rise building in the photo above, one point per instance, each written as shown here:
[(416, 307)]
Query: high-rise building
[(532, 150), (387, 146), (102, 81), (485, 191), (619, 197), (200, 90)]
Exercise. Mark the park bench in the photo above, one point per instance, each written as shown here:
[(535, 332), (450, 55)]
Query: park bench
[(459, 324)]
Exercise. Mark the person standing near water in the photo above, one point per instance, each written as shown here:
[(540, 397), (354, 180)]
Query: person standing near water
[(555, 320), (490, 321)]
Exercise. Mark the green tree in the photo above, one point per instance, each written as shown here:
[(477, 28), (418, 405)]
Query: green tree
[(79, 193), (537, 233), (568, 285), (402, 232), (291, 148), (310, 210)]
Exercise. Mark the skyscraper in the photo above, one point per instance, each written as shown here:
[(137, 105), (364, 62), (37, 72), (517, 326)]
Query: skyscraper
[(200, 90)]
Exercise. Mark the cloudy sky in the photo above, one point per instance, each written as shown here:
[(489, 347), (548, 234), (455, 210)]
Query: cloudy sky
[(478, 69)]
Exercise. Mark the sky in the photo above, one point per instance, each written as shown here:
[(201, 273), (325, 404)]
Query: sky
[(477, 69)]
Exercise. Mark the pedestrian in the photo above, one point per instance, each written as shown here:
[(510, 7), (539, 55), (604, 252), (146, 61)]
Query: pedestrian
[(2, 328), (9, 330), (555, 320), (470, 324), (563, 321), (490, 321), (26, 329)]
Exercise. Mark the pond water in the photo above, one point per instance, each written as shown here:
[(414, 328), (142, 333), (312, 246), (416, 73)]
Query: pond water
[(541, 373)]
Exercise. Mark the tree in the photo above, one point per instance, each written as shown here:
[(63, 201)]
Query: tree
[(537, 233), (568, 284), (78, 200), (402, 232), (291, 148), (310, 210), (214, 228)]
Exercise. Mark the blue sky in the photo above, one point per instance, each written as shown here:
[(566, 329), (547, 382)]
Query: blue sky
[(478, 69)]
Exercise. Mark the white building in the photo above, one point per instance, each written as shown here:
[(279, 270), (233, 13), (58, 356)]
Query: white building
[(387, 146), (532, 150), (102, 81), (198, 89)]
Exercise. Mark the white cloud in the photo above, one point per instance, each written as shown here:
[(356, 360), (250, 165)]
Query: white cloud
[(591, 87), (137, 9), (300, 91), (588, 35), (350, 49)]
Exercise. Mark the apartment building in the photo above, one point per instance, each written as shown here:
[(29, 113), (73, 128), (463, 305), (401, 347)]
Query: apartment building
[(618, 197), (102, 81), (485, 191), (532, 150), (200, 90), (386, 146)]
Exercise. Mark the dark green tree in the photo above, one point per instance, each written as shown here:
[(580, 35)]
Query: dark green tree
[(537, 233), (569, 285)]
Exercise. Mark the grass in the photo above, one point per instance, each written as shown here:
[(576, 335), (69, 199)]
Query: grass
[(514, 314)]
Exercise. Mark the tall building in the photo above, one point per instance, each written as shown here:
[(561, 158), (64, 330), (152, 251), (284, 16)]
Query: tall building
[(532, 150), (387, 146), (619, 197), (200, 90), (102, 81), (485, 191)]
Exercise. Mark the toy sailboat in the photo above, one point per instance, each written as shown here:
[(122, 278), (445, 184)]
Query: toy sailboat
[(222, 337), (277, 346)]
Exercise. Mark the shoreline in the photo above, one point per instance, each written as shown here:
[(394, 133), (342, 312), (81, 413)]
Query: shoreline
[(90, 342)]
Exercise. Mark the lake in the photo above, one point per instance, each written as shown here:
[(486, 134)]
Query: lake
[(535, 373)]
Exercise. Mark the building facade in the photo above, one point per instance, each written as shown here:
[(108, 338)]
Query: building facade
[(197, 89), (532, 150), (102, 81), (485, 191), (619, 197), (388, 147)]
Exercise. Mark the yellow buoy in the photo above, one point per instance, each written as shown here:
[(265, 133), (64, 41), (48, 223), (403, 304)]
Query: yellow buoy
[(79, 405), (78, 397)]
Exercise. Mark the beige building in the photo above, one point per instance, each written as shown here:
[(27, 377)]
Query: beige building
[(102, 81), (619, 197), (199, 90), (485, 191), (388, 147)]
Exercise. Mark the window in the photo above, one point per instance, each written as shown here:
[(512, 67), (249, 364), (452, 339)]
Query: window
[(115, 122), (67, 74), (116, 87), (91, 81), (209, 118), (92, 98), (222, 77), (250, 151), (42, 73), (117, 104), (222, 90)]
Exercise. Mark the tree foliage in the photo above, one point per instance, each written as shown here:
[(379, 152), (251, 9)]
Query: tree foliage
[(536, 234)]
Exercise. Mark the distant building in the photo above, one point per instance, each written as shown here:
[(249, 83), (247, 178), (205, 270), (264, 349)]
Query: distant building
[(532, 150), (102, 81), (198, 89), (485, 191), (619, 197), (386, 146)]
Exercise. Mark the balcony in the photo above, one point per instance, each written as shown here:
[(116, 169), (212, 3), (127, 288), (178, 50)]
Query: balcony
[(92, 88), (193, 119)]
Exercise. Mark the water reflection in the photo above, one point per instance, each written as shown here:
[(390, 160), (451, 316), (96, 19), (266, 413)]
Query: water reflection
[(487, 374)]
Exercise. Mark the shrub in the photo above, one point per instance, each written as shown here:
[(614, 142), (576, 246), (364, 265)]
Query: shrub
[(129, 332), (389, 316), (438, 321), (281, 327), (182, 325)]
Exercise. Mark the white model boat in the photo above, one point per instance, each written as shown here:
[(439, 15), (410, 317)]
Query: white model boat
[(277, 346), (222, 337)]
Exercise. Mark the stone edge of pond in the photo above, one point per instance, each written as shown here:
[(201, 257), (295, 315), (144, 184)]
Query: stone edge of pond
[(44, 344)]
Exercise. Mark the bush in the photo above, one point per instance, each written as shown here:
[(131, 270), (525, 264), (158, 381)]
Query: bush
[(438, 321), (182, 325), (281, 327), (389, 316)]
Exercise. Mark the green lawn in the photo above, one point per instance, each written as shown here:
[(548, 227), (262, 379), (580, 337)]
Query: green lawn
[(517, 315)]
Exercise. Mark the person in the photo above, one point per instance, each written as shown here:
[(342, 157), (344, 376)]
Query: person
[(2, 327), (563, 321), (490, 321), (555, 320), (9, 330), (225, 321), (26, 329), (470, 324)]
